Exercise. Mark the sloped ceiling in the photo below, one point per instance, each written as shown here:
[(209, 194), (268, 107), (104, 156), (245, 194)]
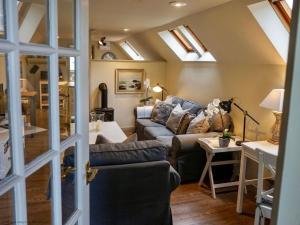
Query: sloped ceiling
[(110, 17), (229, 31)]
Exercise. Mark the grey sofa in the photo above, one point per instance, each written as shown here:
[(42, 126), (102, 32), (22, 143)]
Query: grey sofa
[(132, 187), (184, 153)]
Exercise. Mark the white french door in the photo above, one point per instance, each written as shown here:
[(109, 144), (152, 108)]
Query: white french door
[(43, 89)]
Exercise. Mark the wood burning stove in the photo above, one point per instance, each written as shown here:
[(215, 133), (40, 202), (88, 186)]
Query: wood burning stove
[(108, 112)]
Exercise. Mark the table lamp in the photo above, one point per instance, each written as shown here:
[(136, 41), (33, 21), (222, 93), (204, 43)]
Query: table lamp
[(160, 89), (274, 101)]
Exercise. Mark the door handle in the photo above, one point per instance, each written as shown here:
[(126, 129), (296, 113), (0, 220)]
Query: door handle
[(90, 173)]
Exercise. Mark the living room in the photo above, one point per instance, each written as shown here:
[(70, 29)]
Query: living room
[(173, 80)]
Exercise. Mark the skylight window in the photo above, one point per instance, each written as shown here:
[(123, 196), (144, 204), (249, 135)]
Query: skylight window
[(131, 51), (186, 45), (284, 9)]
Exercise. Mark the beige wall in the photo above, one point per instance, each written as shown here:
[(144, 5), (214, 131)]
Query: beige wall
[(104, 71), (247, 67), (249, 83)]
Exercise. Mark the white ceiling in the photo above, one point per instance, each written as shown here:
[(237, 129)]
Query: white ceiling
[(109, 17)]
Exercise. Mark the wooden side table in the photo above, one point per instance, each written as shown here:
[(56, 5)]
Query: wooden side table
[(211, 147)]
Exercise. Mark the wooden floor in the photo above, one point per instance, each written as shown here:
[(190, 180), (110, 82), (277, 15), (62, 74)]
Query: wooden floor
[(193, 205)]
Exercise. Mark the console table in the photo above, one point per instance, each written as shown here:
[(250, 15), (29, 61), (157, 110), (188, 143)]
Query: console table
[(249, 151), (211, 147)]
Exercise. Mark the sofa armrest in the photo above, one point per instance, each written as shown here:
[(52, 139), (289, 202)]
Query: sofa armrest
[(188, 142), (174, 179), (143, 112)]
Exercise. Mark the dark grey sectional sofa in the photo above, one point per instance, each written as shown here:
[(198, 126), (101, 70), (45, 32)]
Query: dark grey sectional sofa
[(184, 153)]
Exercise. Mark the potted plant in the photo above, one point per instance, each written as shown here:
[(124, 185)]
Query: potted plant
[(224, 140)]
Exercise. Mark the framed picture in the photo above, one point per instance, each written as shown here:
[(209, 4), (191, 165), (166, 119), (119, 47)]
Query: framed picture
[(129, 81)]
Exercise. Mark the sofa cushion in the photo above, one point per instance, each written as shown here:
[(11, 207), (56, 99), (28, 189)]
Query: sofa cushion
[(151, 133), (176, 100), (198, 125), (216, 124), (176, 118), (122, 153), (161, 112), (147, 123), (193, 107), (140, 127), (185, 123)]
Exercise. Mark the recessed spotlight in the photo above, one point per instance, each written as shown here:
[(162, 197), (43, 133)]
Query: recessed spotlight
[(126, 30), (178, 4)]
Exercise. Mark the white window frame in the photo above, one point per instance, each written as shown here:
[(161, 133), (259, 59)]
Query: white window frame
[(199, 52), (131, 51), (13, 48)]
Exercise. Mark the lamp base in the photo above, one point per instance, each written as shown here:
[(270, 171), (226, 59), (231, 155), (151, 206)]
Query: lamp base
[(276, 129)]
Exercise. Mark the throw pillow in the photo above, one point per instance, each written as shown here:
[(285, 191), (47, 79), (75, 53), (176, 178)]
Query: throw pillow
[(102, 140), (185, 122), (161, 112), (175, 119), (198, 125), (216, 124)]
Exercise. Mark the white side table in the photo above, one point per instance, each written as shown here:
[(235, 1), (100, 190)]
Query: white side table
[(249, 151), (211, 147)]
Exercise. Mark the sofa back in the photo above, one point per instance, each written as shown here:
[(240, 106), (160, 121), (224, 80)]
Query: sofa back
[(133, 185), (194, 108)]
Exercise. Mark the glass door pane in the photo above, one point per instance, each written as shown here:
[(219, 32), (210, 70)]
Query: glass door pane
[(2, 19), (33, 21), (35, 105), (5, 145), (38, 193), (67, 96), (7, 208), (66, 23)]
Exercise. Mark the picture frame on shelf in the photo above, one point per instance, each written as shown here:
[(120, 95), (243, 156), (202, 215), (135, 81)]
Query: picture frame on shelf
[(129, 81)]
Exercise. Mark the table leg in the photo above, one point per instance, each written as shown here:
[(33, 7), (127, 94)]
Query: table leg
[(240, 197), (211, 180), (209, 159)]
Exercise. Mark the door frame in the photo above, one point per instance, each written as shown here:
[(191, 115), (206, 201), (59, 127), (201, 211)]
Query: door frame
[(287, 185), (12, 48)]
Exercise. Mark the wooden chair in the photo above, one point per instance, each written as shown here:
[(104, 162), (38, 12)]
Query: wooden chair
[(264, 198)]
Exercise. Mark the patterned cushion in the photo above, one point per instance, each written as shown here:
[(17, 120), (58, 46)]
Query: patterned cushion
[(175, 119), (161, 112), (185, 123), (198, 125), (216, 124)]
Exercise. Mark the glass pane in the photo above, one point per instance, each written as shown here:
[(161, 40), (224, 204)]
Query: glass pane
[(35, 105), (33, 21), (67, 96), (5, 148), (66, 23), (2, 19), (7, 209), (68, 183), (38, 193)]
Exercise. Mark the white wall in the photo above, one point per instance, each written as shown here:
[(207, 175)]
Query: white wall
[(124, 104)]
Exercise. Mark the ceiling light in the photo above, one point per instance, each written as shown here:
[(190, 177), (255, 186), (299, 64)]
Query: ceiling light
[(178, 4), (125, 29)]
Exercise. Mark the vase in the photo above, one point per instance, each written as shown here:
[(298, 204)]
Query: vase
[(224, 142)]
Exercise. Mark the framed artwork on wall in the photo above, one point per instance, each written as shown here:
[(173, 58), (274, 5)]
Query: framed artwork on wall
[(129, 81)]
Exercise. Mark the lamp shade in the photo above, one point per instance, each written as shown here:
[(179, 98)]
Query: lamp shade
[(274, 100), (157, 88)]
